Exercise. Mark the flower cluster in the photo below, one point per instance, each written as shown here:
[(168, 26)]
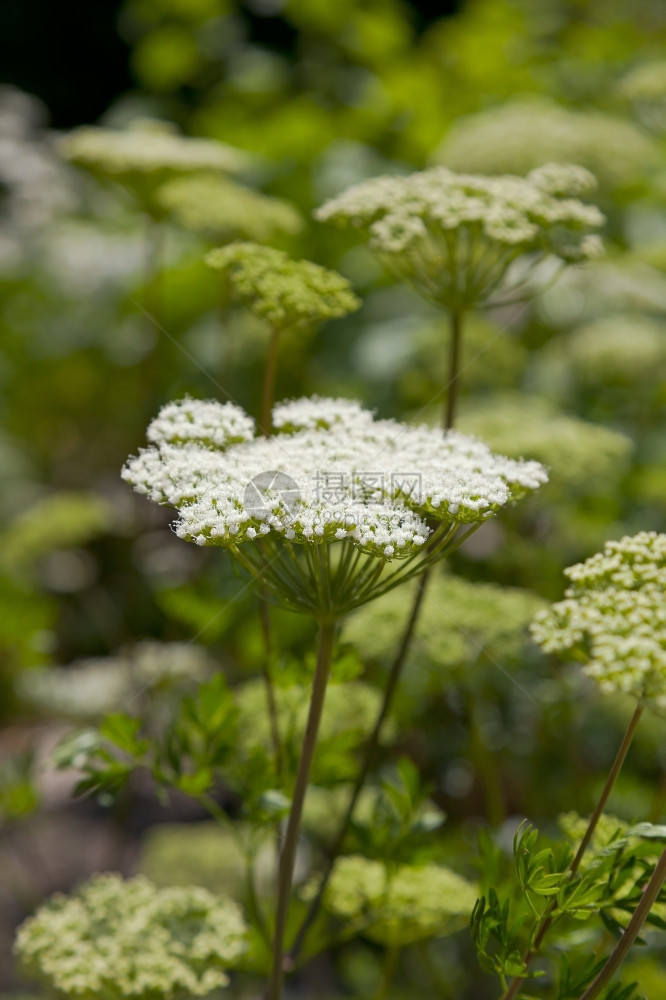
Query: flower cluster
[(348, 716), (616, 350), (644, 87), (521, 135), (286, 292), (92, 688), (401, 906), (147, 155), (581, 455), (220, 210), (626, 284), (194, 854), (614, 616), (378, 484), (116, 939), (373, 481), (314, 413), (458, 619), (211, 424), (455, 236)]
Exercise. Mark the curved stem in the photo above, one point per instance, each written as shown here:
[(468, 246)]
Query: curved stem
[(548, 916), (648, 899), (288, 855)]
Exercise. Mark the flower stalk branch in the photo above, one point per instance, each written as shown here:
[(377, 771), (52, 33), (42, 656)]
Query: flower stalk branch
[(327, 630), (550, 914), (641, 913)]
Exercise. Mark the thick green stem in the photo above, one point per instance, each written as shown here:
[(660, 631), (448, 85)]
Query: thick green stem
[(368, 758), (549, 914), (266, 663), (268, 392), (390, 965), (648, 899), (288, 855), (453, 377)]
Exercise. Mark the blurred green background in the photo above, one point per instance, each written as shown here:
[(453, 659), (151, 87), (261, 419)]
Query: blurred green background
[(321, 95)]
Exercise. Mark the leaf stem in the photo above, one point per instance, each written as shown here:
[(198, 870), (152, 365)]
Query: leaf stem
[(327, 630)]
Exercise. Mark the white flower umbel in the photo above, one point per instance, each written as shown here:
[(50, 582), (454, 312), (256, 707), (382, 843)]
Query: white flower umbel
[(280, 504), (146, 155), (128, 940), (327, 516), (216, 425), (454, 237), (614, 618), (315, 413), (519, 136)]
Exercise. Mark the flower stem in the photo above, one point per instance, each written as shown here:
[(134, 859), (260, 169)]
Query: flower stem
[(390, 964), (271, 704), (453, 378), (456, 323), (368, 758), (632, 930), (268, 391), (548, 915), (327, 631)]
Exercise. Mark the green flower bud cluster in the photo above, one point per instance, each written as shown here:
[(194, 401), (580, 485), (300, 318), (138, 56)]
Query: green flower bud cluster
[(644, 88), (582, 457), (457, 620), (349, 713), (220, 210), (614, 618), (400, 906), (115, 939), (286, 292), (618, 350)]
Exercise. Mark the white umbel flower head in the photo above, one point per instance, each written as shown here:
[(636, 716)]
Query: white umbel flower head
[(314, 413), (454, 237), (205, 422), (332, 473), (644, 88), (614, 616), (519, 136), (146, 155), (129, 940)]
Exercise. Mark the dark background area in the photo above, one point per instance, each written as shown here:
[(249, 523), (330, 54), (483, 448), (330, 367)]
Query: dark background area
[(75, 59)]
